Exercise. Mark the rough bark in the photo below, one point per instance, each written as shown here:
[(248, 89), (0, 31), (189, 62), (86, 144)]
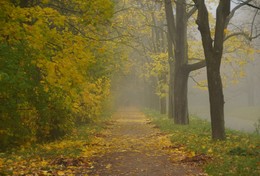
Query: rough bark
[(216, 99), (180, 69), (170, 21), (213, 54), (181, 59), (180, 97)]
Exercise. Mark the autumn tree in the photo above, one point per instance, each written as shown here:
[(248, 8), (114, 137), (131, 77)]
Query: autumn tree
[(57, 61), (180, 68), (213, 51)]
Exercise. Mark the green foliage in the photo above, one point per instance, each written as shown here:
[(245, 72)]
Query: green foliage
[(238, 155), (16, 94)]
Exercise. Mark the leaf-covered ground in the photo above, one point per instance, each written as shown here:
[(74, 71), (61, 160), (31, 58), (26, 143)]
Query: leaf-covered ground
[(135, 147), (128, 145)]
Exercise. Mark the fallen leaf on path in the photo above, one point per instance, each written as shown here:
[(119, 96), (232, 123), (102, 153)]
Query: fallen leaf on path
[(60, 173), (108, 166)]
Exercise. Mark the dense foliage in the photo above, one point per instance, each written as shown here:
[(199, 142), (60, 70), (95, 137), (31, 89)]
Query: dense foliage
[(56, 65)]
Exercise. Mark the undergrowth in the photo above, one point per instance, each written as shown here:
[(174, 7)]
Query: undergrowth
[(239, 154)]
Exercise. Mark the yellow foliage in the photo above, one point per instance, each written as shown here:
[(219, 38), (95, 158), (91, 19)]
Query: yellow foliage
[(74, 65)]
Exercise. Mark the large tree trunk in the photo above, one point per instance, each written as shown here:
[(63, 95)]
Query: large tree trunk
[(180, 73), (216, 99), (213, 54), (180, 97), (178, 103), (181, 59)]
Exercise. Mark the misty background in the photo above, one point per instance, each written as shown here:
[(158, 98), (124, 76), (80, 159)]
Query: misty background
[(242, 96)]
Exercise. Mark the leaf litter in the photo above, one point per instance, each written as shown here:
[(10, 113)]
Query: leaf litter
[(135, 147), (130, 145)]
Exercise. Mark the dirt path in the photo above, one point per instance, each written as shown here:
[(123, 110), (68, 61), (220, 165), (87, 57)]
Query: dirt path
[(132, 146)]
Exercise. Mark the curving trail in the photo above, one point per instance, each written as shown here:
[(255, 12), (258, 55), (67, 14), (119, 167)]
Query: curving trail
[(133, 146)]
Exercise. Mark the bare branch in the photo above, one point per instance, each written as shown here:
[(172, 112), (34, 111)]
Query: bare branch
[(195, 66), (253, 21), (203, 25), (200, 85), (191, 12), (95, 39), (170, 21), (158, 27), (123, 9), (248, 4), (247, 36), (232, 13)]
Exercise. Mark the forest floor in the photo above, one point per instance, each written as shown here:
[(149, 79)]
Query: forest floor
[(127, 144), (135, 147)]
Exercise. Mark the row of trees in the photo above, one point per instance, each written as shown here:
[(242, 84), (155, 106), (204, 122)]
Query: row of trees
[(166, 25), (57, 60), (213, 47)]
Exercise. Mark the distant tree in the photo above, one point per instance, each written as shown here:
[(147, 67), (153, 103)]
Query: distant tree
[(144, 24)]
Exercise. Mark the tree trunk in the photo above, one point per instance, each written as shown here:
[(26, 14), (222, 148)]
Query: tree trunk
[(180, 97), (178, 106), (213, 53), (181, 60), (171, 42), (180, 69), (216, 99), (171, 79)]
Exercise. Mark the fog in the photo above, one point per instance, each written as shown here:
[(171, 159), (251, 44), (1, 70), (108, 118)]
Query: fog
[(242, 97), (242, 100)]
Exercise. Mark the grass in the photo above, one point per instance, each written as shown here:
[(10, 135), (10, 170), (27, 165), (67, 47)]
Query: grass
[(239, 154)]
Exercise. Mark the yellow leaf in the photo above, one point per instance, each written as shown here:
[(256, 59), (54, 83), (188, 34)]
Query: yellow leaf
[(225, 31), (44, 163), (60, 173), (193, 153), (108, 166), (210, 150)]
